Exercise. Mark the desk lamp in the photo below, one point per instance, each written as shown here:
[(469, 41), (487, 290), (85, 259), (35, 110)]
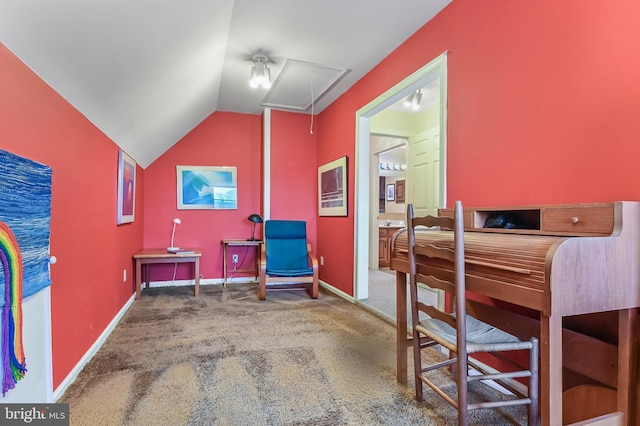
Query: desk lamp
[(172, 248), (255, 218)]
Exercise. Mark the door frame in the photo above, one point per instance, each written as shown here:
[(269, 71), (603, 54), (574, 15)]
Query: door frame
[(374, 188), (437, 68)]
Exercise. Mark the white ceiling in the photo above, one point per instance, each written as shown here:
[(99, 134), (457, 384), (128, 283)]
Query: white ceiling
[(146, 72)]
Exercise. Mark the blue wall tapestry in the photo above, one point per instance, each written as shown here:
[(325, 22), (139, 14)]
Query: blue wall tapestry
[(25, 210)]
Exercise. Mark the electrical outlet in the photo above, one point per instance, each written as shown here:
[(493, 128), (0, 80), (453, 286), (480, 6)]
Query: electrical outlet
[(234, 258), (124, 275), (321, 260)]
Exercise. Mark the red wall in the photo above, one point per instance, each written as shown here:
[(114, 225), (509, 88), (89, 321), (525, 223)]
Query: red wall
[(294, 172), (87, 281), (336, 131), (542, 105), (232, 139), (222, 139)]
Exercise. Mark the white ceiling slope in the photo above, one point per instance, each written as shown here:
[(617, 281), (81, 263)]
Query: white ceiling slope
[(146, 72)]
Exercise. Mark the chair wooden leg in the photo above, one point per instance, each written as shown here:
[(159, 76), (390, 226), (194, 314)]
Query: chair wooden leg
[(417, 365), (533, 382), (463, 386)]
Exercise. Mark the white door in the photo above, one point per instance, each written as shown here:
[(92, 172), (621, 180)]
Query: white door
[(423, 182)]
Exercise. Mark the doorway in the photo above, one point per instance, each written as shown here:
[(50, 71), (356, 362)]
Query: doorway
[(366, 225)]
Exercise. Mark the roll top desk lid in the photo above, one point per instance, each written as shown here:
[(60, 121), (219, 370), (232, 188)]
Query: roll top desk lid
[(568, 259)]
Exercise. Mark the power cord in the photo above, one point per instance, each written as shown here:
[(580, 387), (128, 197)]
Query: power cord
[(239, 265)]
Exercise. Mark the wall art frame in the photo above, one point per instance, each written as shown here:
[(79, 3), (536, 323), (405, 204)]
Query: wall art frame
[(332, 188), (207, 187), (126, 188), (391, 192)]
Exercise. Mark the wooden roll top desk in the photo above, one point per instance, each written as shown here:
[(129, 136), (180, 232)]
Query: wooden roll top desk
[(577, 265)]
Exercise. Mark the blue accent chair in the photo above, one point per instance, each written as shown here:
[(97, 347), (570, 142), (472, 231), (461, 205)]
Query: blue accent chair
[(286, 261)]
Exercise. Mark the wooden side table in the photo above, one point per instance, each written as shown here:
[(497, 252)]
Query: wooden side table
[(226, 243), (146, 257)]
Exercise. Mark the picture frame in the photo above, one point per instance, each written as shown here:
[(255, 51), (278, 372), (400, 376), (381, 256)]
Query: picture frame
[(207, 187), (332, 188), (391, 192), (126, 188)]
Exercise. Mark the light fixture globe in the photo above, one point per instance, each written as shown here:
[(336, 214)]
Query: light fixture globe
[(260, 73)]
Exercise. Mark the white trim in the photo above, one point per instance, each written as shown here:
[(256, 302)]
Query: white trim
[(48, 345), (203, 281), (443, 127), (362, 206), (182, 283), (336, 291), (266, 124), (437, 68), (60, 390)]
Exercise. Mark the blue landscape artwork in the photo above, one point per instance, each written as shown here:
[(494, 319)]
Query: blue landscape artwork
[(207, 187)]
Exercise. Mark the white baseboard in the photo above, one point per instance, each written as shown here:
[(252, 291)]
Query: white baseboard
[(335, 291), (60, 390), (207, 281)]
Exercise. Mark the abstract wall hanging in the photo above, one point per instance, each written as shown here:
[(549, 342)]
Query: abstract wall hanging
[(24, 252), (332, 188), (126, 188)]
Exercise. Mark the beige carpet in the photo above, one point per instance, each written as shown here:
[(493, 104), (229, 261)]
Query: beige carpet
[(226, 358)]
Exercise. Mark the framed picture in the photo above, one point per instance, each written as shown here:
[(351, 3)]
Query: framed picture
[(332, 188), (126, 188), (391, 192), (207, 187)]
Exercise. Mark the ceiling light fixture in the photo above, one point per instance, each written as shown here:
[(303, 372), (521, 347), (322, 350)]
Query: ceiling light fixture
[(390, 166), (413, 100), (260, 73)]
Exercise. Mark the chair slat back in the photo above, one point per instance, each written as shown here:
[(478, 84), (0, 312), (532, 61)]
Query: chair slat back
[(437, 283), (431, 271)]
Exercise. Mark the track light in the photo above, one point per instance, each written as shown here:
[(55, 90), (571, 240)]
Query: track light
[(415, 105), (409, 100), (413, 100), (260, 73)]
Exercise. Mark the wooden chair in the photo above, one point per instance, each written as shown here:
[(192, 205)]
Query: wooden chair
[(286, 261), (459, 332)]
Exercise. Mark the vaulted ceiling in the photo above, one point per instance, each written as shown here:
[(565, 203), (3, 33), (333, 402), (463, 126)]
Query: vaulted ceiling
[(146, 72)]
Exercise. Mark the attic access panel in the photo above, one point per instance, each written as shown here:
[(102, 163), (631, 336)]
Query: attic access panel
[(301, 83)]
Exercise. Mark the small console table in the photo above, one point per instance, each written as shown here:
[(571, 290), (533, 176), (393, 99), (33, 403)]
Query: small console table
[(146, 257), (226, 243)]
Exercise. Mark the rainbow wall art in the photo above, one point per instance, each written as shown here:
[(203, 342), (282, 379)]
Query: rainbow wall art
[(13, 362), (25, 216)]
